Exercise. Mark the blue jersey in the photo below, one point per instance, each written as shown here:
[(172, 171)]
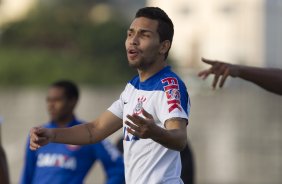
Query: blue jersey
[(69, 164)]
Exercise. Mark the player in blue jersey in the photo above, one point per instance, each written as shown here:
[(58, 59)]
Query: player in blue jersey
[(66, 163), (153, 110)]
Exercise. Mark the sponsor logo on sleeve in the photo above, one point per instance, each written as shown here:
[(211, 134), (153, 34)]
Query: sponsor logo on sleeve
[(171, 89)]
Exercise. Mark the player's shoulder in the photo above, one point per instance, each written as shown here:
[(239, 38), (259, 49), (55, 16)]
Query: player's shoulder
[(170, 78)]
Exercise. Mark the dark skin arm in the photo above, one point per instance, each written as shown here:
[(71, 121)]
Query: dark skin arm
[(174, 136), (267, 78), (88, 133)]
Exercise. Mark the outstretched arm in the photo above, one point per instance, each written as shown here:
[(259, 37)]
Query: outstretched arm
[(267, 78), (87, 133)]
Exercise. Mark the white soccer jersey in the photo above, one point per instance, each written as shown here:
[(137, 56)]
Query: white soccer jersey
[(164, 96)]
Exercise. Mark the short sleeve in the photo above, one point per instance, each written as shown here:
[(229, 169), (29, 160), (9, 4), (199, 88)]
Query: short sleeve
[(117, 107), (173, 101)]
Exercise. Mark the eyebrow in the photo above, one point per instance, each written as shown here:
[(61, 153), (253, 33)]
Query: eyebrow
[(141, 30)]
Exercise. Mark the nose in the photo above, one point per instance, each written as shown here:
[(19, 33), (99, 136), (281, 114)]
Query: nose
[(50, 104), (134, 40)]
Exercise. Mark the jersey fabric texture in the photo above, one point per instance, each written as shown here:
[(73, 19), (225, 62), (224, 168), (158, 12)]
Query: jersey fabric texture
[(61, 163), (164, 96)]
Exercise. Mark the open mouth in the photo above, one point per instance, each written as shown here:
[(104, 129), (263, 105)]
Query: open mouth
[(132, 53)]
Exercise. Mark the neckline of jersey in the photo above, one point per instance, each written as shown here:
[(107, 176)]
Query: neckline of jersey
[(155, 76)]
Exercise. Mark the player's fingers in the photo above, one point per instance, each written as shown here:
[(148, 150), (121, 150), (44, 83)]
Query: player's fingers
[(135, 119), (41, 140), (33, 146), (203, 72), (33, 135), (208, 61), (224, 77), (218, 72), (39, 130), (146, 114), (132, 126), (215, 80), (131, 131), (206, 74), (140, 121), (131, 118)]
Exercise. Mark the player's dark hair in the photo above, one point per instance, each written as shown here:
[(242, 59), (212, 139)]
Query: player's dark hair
[(70, 89), (165, 26)]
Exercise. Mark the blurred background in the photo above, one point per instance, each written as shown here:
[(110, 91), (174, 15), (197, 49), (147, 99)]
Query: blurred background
[(235, 133)]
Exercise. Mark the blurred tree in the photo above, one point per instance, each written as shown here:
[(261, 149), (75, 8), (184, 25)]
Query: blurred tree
[(63, 39)]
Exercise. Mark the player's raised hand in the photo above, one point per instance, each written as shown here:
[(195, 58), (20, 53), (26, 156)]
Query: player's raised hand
[(220, 70), (39, 136), (141, 127)]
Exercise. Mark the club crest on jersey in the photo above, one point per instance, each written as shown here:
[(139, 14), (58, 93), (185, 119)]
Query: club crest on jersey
[(171, 89), (139, 106)]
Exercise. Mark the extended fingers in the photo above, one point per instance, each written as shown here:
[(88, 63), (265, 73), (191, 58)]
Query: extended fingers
[(35, 139), (132, 132), (208, 61), (136, 119), (213, 69), (33, 145), (146, 114), (132, 126), (204, 73), (221, 71), (33, 134), (218, 71), (224, 77)]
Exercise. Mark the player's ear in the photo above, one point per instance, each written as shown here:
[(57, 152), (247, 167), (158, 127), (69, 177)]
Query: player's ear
[(165, 45), (73, 102)]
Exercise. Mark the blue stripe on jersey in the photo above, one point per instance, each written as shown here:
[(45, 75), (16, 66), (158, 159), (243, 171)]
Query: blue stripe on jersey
[(154, 83)]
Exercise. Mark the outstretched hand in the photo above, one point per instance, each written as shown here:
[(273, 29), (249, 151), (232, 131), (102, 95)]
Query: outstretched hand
[(220, 70), (39, 136), (142, 127)]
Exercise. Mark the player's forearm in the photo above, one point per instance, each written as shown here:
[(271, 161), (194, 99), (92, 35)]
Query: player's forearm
[(174, 139), (77, 135), (267, 78)]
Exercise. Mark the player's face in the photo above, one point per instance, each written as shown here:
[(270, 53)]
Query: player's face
[(58, 105), (142, 43)]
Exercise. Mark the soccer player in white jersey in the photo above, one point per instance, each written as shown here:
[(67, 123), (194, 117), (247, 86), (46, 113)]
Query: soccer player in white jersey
[(153, 109)]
